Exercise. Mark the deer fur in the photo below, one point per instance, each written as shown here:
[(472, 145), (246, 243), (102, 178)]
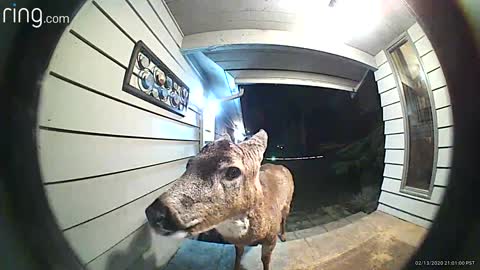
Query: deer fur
[(226, 187)]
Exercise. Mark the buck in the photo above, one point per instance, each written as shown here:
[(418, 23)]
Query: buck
[(225, 187)]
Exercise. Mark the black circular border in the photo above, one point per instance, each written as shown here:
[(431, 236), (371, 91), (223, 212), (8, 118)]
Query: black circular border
[(30, 236)]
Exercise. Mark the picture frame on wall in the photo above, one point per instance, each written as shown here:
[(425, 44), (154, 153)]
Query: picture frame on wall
[(148, 78)]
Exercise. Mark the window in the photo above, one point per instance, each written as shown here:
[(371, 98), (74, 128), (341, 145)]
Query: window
[(418, 114)]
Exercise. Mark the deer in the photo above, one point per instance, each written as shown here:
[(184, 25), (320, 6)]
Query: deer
[(226, 187)]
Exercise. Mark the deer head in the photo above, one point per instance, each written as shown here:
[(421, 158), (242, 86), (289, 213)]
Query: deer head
[(221, 182)]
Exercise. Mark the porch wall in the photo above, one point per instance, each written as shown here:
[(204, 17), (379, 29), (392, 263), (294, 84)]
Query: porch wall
[(392, 201)]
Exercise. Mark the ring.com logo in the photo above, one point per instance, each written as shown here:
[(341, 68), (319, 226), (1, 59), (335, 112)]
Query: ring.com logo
[(33, 16)]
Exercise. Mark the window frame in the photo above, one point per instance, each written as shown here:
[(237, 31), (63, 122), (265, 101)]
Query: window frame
[(422, 193)]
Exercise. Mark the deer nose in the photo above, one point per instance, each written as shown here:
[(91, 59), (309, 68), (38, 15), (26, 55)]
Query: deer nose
[(160, 218), (156, 212)]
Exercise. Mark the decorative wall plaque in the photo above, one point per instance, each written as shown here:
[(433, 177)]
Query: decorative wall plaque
[(148, 78)]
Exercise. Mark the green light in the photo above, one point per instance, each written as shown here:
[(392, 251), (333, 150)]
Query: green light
[(273, 158)]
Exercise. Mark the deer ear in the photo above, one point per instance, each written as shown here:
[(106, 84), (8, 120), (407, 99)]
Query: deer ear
[(257, 144), (224, 136)]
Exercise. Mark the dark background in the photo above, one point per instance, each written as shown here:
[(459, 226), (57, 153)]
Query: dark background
[(345, 127), (308, 119)]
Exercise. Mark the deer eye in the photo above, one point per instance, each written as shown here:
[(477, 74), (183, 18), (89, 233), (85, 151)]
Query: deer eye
[(232, 173)]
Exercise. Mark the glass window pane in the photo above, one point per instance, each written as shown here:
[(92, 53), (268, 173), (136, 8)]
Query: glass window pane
[(418, 113)]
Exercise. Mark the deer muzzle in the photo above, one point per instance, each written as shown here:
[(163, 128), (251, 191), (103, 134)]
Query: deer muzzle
[(160, 218)]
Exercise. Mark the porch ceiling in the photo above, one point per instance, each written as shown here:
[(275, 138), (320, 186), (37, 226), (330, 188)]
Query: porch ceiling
[(199, 16)]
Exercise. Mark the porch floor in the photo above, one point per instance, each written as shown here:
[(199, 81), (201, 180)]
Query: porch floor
[(375, 241)]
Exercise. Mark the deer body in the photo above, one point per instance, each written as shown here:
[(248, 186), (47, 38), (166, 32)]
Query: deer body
[(266, 216), (225, 188), (266, 219)]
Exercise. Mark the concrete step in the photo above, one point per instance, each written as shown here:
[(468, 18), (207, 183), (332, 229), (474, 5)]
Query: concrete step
[(319, 229), (378, 230), (306, 219)]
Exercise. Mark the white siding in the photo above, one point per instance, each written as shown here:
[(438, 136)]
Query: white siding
[(389, 97), (96, 236), (444, 157), (430, 61), (393, 186), (445, 137), (404, 216), (90, 16), (415, 32), (441, 177), (409, 205), (423, 46), (441, 97), (167, 19), (386, 83), (123, 14), (383, 71), (149, 17), (436, 79), (444, 117), (105, 154), (117, 257), (394, 156), (111, 190), (416, 209), (396, 141), (392, 111), (394, 126), (380, 58), (128, 153), (93, 112), (160, 249), (97, 72), (393, 170)]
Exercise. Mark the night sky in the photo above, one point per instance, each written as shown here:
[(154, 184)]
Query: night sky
[(305, 119)]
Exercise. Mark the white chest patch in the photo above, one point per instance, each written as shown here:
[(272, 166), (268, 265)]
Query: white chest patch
[(234, 228)]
